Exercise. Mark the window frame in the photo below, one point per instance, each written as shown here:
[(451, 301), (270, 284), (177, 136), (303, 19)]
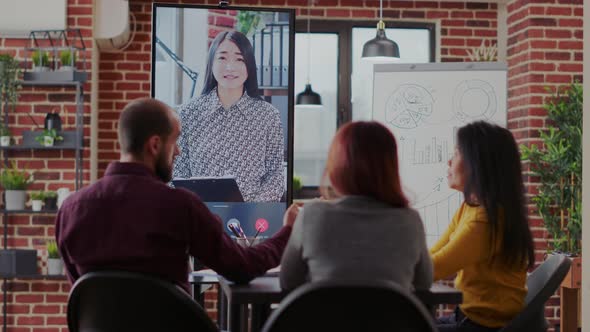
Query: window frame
[(344, 31)]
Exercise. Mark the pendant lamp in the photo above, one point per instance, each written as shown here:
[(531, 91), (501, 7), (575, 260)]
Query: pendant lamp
[(380, 47), (308, 98)]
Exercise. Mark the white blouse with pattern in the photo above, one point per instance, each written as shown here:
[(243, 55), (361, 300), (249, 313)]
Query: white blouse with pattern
[(245, 141)]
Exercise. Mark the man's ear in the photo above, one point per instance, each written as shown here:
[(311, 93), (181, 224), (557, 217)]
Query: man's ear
[(153, 145)]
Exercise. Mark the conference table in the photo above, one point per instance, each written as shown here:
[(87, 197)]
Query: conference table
[(263, 291)]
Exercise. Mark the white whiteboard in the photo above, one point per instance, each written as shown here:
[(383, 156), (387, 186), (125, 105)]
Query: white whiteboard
[(423, 105)]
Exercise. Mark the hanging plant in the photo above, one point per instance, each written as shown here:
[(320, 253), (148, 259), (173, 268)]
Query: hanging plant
[(9, 86)]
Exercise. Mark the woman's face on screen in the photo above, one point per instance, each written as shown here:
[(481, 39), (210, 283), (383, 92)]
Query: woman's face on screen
[(229, 67)]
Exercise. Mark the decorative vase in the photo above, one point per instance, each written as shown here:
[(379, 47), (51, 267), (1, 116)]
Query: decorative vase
[(4, 140), (15, 199), (36, 204), (54, 266)]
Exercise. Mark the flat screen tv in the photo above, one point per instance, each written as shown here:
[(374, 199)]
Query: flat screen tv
[(228, 72)]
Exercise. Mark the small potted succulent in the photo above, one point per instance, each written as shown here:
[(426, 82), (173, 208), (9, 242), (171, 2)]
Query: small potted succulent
[(48, 137), (50, 200), (37, 200), (68, 60), (54, 263), (15, 182), (5, 135), (40, 60)]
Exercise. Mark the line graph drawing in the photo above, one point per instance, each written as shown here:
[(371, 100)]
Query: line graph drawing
[(474, 100), (437, 216), (408, 105)]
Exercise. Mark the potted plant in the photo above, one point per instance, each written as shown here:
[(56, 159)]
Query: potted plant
[(558, 166), (296, 186), (483, 52), (54, 263), (40, 60), (9, 73), (50, 200), (68, 59), (15, 182), (4, 135), (37, 200), (48, 137)]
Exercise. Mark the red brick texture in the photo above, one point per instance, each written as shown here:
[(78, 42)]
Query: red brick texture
[(38, 304), (544, 49)]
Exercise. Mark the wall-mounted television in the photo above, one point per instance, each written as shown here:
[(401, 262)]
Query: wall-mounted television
[(228, 72)]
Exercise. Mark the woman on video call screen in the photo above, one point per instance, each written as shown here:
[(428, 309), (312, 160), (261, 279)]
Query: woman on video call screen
[(229, 130), (228, 73)]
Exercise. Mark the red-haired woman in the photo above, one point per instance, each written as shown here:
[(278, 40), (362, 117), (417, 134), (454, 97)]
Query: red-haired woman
[(365, 230)]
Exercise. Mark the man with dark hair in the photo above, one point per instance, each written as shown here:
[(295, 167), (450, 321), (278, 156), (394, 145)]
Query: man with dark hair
[(132, 220)]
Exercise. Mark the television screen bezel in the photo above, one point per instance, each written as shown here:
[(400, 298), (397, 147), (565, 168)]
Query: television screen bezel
[(291, 79)]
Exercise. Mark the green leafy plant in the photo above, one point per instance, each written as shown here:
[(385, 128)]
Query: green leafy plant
[(40, 58), (67, 57), (248, 22), (48, 133), (37, 196), (9, 74), (12, 178), (297, 185), (52, 250), (558, 166), (50, 194), (4, 131), (483, 52)]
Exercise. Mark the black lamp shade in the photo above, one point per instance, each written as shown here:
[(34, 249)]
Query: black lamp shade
[(308, 97), (380, 46)]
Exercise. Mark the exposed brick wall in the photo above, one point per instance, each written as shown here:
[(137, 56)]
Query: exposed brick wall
[(40, 304), (544, 48), (125, 76), (544, 51)]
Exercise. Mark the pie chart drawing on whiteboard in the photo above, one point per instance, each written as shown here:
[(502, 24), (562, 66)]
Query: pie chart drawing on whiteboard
[(408, 106), (474, 100)]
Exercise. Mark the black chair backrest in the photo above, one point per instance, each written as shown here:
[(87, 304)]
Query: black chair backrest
[(350, 306), (110, 301), (541, 284)]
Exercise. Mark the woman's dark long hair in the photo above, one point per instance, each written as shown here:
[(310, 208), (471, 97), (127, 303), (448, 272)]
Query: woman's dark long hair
[(363, 161), (242, 42), (494, 177)]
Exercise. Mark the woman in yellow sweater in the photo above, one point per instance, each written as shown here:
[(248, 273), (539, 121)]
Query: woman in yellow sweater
[(488, 243)]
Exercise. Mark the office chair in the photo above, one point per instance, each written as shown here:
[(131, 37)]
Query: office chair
[(541, 284), (350, 306), (112, 301)]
